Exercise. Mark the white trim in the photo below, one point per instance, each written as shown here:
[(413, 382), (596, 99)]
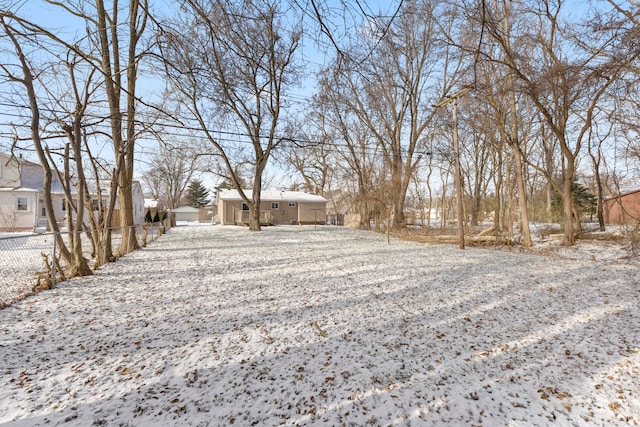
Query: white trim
[(26, 203)]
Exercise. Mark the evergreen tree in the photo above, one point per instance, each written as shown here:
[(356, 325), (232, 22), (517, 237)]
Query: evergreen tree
[(583, 199), (197, 194)]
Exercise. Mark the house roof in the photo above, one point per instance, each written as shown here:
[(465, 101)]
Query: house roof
[(20, 189), (7, 157), (273, 196), (628, 193), (185, 209)]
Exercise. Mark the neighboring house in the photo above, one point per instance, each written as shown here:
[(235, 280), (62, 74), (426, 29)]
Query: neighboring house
[(22, 196), (138, 201), (186, 213), (138, 205), (276, 207), (623, 209)]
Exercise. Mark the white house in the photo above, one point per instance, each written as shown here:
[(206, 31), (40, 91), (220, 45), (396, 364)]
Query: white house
[(138, 201), (22, 196)]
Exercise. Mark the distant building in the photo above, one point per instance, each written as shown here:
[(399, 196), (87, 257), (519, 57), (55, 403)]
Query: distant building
[(623, 209), (22, 196), (276, 207), (186, 213)]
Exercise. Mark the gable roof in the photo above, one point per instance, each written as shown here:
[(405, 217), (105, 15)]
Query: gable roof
[(5, 158), (273, 196)]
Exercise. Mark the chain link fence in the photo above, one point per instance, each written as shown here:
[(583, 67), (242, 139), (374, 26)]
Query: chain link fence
[(26, 258)]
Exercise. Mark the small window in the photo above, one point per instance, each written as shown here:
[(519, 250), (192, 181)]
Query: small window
[(23, 204), (292, 205), (275, 205), (245, 207), (64, 205), (43, 211), (94, 203)]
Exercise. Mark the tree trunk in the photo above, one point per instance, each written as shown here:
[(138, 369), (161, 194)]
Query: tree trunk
[(596, 158), (509, 198), (498, 218), (81, 267), (28, 82), (129, 239), (600, 207), (254, 220), (567, 205), (522, 198), (123, 151), (515, 141)]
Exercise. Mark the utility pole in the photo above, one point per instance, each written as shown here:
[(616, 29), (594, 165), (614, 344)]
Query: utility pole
[(453, 99)]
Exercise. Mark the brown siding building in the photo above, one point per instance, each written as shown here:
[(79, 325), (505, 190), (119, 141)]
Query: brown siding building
[(623, 209), (276, 207)]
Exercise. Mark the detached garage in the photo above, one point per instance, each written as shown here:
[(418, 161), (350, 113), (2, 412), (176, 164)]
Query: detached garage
[(186, 213), (276, 207)]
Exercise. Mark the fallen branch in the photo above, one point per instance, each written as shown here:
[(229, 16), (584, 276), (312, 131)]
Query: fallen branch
[(319, 329), (470, 239), (487, 231)]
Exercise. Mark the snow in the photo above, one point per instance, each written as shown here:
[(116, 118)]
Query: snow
[(269, 195), (217, 325)]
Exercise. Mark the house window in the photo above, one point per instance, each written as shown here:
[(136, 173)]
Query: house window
[(275, 205), (245, 207), (23, 204), (64, 205), (292, 205), (94, 204), (43, 211)]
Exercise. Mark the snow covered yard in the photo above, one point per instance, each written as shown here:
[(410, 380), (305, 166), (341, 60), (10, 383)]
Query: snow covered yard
[(218, 326)]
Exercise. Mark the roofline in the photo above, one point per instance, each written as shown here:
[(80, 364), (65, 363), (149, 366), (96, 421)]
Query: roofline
[(276, 199), (19, 160), (622, 195), (20, 190)]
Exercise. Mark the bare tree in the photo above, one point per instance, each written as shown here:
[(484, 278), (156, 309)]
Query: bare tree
[(562, 81), (497, 20), (170, 170), (73, 125), (232, 63), (23, 74), (313, 161), (123, 123), (477, 155), (403, 70), (354, 145)]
